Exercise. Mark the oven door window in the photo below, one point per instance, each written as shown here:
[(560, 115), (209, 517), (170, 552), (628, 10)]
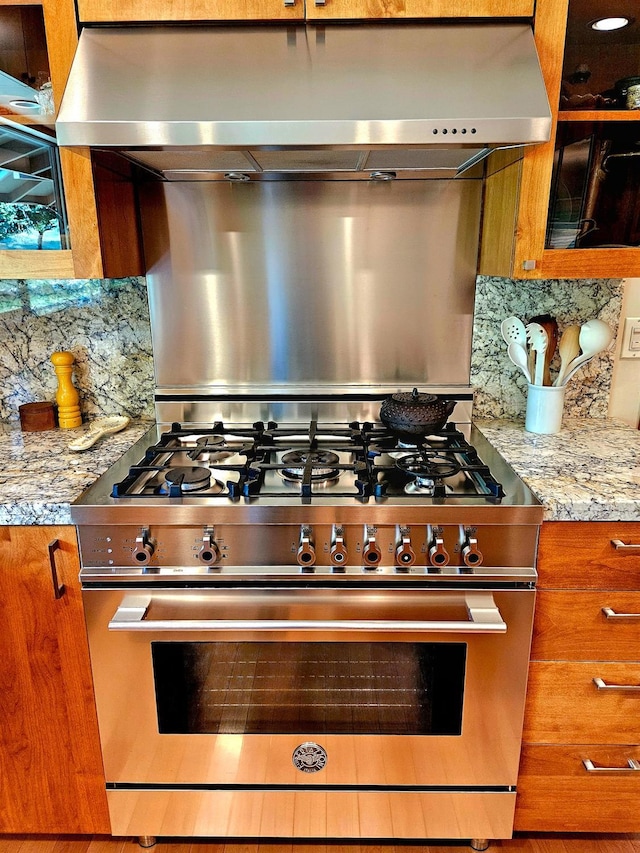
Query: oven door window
[(309, 688)]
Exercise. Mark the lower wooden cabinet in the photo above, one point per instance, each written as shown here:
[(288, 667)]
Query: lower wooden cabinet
[(580, 766), (51, 776)]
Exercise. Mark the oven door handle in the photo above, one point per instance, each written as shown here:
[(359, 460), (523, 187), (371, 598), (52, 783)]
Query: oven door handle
[(484, 618)]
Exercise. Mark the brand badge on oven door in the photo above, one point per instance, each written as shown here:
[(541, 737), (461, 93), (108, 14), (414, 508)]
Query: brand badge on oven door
[(309, 757)]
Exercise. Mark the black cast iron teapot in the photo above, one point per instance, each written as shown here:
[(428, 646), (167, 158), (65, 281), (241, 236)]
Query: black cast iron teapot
[(412, 413)]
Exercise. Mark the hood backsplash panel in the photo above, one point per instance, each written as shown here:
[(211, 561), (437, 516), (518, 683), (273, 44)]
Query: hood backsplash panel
[(310, 287)]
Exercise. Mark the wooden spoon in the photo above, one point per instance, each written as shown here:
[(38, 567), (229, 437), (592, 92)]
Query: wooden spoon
[(569, 348), (550, 326)]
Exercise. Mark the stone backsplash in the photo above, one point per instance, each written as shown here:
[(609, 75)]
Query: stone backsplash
[(501, 388), (105, 324)]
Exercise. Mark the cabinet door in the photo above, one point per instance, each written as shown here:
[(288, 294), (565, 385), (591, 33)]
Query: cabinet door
[(418, 8), (590, 229), (189, 10), (50, 762)]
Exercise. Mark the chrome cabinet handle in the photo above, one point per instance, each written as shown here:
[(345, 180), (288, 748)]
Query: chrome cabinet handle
[(484, 618), (619, 545), (289, 2), (633, 766), (320, 2), (610, 613), (58, 588), (601, 685)]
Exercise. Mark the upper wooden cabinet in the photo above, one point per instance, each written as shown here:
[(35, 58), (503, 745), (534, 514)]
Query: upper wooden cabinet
[(52, 48), (568, 209), (98, 11), (276, 10), (337, 9)]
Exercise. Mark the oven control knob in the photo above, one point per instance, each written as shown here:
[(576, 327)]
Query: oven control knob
[(209, 552), (306, 555), (338, 553), (470, 553), (371, 554), (438, 554), (405, 555), (143, 549)]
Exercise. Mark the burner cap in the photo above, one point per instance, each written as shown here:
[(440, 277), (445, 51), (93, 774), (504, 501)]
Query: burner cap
[(296, 461), (188, 479), (428, 467)]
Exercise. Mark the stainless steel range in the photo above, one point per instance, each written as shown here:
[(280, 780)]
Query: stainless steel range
[(301, 624), (310, 631)]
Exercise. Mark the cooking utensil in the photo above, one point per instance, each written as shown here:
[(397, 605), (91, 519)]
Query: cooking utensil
[(537, 337), (550, 326), (513, 331), (595, 336), (98, 429), (412, 413), (518, 356), (569, 348)]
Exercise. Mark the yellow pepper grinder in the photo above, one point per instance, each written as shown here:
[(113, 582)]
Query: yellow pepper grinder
[(67, 395)]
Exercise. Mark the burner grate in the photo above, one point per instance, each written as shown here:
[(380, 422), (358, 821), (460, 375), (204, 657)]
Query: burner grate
[(319, 461)]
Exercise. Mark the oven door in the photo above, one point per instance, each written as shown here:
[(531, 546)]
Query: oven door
[(339, 686)]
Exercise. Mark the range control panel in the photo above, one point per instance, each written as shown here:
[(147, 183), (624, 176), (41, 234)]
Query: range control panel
[(307, 548)]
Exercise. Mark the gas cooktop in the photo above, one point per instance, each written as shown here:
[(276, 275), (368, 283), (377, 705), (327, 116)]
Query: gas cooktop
[(316, 461)]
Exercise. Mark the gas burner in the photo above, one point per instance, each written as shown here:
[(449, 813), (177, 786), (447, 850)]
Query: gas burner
[(320, 462), (424, 466), (191, 479), (200, 440), (420, 441), (420, 486)]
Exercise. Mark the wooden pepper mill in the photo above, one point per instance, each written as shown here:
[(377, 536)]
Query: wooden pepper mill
[(67, 395)]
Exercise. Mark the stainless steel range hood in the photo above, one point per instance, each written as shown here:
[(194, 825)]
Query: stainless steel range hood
[(207, 101)]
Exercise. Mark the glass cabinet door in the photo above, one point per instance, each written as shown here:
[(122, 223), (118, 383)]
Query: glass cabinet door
[(32, 212), (595, 190)]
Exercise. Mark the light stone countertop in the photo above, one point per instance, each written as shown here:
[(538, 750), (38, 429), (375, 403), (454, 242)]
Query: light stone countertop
[(589, 471), (40, 476)]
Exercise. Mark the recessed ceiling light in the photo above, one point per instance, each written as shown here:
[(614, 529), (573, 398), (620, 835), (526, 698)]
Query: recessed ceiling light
[(608, 24)]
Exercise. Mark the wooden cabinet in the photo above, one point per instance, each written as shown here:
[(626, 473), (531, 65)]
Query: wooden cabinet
[(340, 9), (99, 11), (277, 10), (517, 239), (50, 764), (84, 258), (580, 766)]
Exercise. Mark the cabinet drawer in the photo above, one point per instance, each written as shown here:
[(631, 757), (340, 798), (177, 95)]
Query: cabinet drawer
[(565, 706), (557, 794), (573, 625), (580, 555)]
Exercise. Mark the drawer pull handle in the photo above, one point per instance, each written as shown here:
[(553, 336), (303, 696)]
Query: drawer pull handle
[(58, 588), (619, 545), (633, 766), (601, 685), (610, 613)]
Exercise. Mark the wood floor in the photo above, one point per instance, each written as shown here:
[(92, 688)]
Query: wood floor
[(534, 843)]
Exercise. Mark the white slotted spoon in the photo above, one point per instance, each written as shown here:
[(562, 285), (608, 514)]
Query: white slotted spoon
[(538, 339), (514, 331)]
